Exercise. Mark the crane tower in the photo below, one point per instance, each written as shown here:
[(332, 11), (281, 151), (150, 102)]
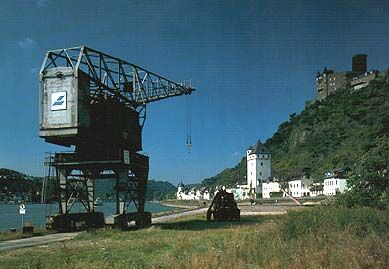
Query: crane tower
[(97, 104)]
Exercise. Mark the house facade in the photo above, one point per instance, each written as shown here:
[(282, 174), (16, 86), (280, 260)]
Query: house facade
[(333, 186), (300, 187), (270, 187)]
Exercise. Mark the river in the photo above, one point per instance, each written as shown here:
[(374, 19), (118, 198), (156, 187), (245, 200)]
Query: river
[(35, 213)]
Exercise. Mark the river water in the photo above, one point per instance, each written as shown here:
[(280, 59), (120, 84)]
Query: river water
[(35, 213)]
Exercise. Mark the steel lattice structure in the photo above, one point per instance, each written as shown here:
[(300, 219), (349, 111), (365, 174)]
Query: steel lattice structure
[(133, 85), (97, 103)]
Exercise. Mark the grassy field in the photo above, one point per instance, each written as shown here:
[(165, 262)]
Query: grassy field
[(323, 237), (17, 235)]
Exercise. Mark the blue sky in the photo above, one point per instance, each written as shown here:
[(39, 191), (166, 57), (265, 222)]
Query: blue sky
[(253, 64)]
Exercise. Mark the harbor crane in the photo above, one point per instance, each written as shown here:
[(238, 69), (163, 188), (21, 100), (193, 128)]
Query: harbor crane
[(96, 103)]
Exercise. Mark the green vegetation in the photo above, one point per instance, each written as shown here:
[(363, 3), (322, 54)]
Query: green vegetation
[(324, 237), (369, 184), (15, 186), (229, 176), (4, 236), (337, 132), (160, 190)]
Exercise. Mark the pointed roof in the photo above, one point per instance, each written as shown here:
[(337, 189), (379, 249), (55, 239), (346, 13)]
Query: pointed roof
[(181, 184), (259, 148)]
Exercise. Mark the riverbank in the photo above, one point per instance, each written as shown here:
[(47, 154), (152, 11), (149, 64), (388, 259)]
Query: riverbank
[(184, 209), (5, 236), (36, 213), (319, 237), (188, 204)]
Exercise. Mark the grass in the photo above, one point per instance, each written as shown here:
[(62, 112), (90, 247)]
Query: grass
[(324, 237), (17, 235)]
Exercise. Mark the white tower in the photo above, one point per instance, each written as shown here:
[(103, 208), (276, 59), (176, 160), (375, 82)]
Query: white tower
[(180, 190), (258, 166)]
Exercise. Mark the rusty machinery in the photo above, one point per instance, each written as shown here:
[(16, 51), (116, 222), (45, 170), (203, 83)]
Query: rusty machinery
[(97, 103), (223, 207)]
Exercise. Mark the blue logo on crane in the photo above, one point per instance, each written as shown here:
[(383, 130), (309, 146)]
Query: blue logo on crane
[(59, 101)]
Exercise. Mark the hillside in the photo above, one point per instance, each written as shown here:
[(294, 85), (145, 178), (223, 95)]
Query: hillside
[(16, 186), (335, 132), (158, 190)]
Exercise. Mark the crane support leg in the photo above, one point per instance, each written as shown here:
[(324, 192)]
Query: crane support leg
[(63, 187), (131, 189), (76, 185)]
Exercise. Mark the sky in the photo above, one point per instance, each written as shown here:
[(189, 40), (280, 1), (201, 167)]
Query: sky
[(253, 63)]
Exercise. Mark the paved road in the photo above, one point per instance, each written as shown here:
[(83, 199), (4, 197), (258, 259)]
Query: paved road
[(50, 238), (178, 215)]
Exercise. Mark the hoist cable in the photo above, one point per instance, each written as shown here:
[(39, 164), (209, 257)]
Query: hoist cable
[(188, 124)]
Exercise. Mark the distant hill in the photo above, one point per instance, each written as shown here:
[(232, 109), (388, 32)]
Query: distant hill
[(335, 132), (158, 190), (229, 176), (16, 186)]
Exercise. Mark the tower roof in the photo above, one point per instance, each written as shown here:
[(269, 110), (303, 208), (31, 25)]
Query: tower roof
[(181, 184), (259, 148)]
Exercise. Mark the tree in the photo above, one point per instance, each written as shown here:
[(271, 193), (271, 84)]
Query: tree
[(369, 184)]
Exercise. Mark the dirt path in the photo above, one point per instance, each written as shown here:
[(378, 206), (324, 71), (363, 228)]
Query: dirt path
[(35, 241), (178, 215)]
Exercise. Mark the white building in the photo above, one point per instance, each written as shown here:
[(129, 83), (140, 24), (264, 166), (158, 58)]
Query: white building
[(258, 166), (241, 192), (316, 189), (333, 185), (300, 187), (206, 194), (192, 194), (270, 187)]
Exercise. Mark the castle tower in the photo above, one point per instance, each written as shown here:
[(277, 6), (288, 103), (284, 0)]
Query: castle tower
[(359, 63), (258, 166)]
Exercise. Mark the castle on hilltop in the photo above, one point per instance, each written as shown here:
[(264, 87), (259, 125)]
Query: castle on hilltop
[(329, 81)]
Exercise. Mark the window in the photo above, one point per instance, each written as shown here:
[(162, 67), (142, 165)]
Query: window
[(261, 163), (260, 173)]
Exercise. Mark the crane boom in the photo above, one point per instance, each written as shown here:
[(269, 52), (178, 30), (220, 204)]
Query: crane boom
[(131, 84)]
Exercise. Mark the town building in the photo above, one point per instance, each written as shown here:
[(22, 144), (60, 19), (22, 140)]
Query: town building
[(258, 167), (329, 81), (300, 187), (316, 189), (241, 192), (269, 188), (184, 193), (333, 186), (335, 182)]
